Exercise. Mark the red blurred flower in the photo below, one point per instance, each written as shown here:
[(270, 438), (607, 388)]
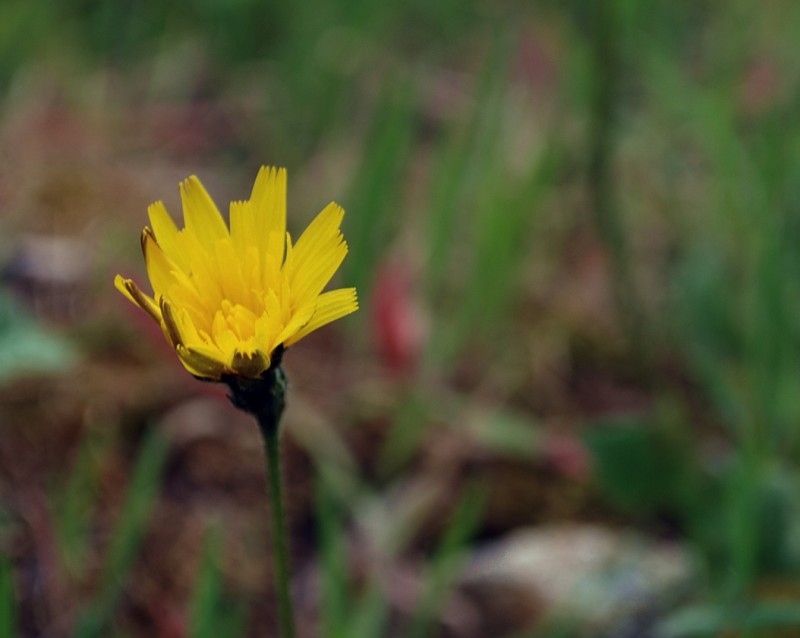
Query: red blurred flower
[(399, 325)]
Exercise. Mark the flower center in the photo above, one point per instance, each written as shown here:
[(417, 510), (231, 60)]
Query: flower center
[(235, 319)]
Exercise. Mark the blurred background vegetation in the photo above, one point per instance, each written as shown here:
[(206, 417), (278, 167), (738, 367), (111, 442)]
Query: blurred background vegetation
[(570, 402)]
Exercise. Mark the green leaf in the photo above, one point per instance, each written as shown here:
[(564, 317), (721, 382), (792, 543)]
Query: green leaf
[(26, 346), (637, 466), (709, 620)]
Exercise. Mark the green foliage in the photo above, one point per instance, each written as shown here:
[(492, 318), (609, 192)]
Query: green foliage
[(26, 347), (446, 562), (344, 612), (758, 620), (23, 30), (127, 536), (8, 610), (461, 165), (668, 146), (347, 612), (211, 612), (641, 467), (375, 196), (74, 501)]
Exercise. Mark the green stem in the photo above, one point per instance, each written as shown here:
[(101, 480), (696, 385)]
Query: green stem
[(271, 435), (607, 75), (265, 398)]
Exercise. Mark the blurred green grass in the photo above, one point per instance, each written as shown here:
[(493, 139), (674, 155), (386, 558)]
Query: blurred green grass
[(493, 148)]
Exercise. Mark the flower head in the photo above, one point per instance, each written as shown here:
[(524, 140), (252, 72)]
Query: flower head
[(229, 299)]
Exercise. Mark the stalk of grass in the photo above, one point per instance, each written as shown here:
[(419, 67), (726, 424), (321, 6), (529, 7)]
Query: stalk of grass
[(210, 614), (8, 607), (606, 52), (738, 305), (127, 536), (371, 612), (333, 565), (461, 162), (375, 196), (24, 29), (446, 562), (754, 290), (410, 420), (75, 502), (344, 612), (508, 209), (712, 620)]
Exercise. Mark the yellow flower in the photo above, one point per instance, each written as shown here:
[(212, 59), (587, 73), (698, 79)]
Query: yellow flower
[(228, 298)]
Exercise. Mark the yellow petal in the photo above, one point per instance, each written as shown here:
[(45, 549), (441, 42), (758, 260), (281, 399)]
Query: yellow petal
[(230, 273), (188, 300), (159, 267), (300, 319), (166, 233), (320, 233), (331, 306), (267, 327), (227, 342), (309, 282), (268, 201), (250, 364), (201, 362), (317, 255), (271, 276), (243, 230), (200, 213), (134, 294), (170, 324), (204, 279)]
